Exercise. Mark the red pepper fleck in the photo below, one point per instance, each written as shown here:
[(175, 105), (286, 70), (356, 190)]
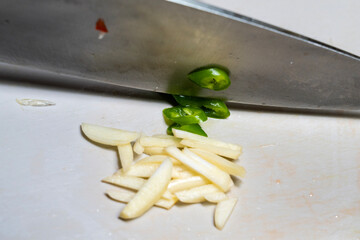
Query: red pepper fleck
[(100, 25)]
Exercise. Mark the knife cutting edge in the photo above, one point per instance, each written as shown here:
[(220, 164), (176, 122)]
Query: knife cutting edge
[(152, 45)]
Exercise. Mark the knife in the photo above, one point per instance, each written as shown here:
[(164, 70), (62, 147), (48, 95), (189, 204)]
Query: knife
[(152, 45)]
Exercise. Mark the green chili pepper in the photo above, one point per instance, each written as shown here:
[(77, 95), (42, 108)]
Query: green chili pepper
[(188, 101), (216, 109), (193, 128), (211, 78), (212, 107), (184, 115)]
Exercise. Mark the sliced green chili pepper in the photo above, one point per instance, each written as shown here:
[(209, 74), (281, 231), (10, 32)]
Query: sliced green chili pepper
[(193, 128), (216, 109), (184, 115), (212, 107), (211, 78), (188, 101)]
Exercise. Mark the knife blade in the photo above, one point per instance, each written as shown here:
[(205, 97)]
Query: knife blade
[(152, 45)]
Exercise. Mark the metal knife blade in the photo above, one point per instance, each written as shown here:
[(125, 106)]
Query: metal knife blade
[(152, 45)]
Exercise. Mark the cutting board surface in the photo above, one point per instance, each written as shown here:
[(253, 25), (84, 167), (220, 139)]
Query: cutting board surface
[(303, 179)]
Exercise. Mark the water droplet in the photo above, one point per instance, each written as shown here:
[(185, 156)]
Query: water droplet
[(336, 216), (291, 62), (311, 194), (278, 181), (97, 210)]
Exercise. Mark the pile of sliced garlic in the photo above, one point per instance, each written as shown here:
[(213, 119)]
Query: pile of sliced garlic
[(185, 167)]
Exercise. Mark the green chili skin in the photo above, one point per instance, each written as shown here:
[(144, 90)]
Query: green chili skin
[(193, 128), (215, 108), (188, 101), (212, 107), (184, 115), (211, 78)]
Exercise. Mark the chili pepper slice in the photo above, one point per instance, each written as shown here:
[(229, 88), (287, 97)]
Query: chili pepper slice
[(216, 109), (193, 128), (211, 78), (212, 107), (184, 115), (188, 101)]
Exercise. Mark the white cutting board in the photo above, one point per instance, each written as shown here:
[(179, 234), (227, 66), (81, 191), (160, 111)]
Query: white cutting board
[(303, 178)]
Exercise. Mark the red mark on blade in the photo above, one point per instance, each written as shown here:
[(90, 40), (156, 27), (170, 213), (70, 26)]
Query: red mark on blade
[(100, 26)]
